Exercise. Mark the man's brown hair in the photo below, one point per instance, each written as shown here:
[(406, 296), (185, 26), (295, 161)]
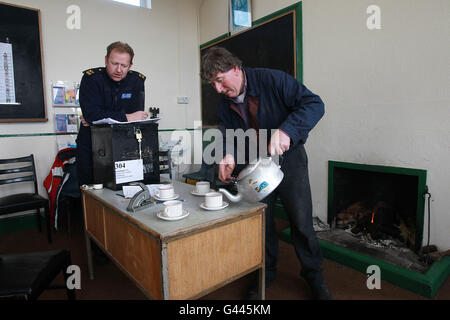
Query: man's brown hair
[(121, 47), (218, 59)]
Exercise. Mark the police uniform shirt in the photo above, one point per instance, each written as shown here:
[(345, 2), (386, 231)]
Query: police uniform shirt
[(101, 97)]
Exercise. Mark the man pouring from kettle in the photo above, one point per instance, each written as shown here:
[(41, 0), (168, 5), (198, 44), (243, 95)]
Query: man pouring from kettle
[(266, 99)]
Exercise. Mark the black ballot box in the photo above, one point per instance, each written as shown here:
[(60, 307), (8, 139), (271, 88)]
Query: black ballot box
[(117, 157)]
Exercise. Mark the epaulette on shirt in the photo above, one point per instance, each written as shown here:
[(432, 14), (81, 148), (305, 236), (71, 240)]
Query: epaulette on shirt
[(90, 72), (140, 75)]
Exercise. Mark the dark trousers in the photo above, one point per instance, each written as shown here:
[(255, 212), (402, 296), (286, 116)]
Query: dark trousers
[(84, 163), (295, 195)]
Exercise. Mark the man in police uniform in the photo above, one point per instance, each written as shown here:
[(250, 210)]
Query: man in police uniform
[(113, 92)]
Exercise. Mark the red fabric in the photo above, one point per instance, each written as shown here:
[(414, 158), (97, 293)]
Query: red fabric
[(54, 178)]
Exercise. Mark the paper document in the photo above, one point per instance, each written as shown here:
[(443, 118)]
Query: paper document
[(112, 121), (7, 88), (128, 171), (130, 191)]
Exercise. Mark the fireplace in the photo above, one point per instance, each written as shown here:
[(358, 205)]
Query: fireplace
[(378, 211), (392, 199), (379, 201)]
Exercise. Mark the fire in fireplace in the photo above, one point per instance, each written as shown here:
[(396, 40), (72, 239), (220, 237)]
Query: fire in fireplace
[(382, 205), (378, 224)]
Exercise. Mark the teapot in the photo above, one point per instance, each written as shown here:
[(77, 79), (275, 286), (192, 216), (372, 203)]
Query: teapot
[(256, 181)]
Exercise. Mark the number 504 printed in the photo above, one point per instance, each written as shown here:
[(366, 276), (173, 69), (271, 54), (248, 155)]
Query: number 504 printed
[(130, 170)]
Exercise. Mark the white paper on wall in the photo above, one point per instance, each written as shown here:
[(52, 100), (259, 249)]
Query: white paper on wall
[(7, 89)]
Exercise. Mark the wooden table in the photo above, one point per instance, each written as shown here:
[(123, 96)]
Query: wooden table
[(183, 259)]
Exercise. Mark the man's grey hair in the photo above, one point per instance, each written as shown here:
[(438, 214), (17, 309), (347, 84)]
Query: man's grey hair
[(218, 59)]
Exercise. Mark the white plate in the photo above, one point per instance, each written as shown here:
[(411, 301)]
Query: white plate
[(223, 206), (195, 193), (163, 216), (175, 196)]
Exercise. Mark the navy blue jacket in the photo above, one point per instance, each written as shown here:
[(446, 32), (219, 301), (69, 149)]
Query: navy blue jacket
[(276, 101), (101, 97)]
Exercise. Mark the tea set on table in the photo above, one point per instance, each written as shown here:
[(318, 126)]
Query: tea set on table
[(254, 183), (173, 209)]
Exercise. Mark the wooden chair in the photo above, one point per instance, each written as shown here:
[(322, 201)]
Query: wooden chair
[(25, 276), (22, 170)]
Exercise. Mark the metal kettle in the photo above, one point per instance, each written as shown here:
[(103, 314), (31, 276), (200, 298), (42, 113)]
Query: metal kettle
[(256, 181)]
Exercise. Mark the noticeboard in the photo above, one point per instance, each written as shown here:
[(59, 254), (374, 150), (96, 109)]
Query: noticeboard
[(22, 92)]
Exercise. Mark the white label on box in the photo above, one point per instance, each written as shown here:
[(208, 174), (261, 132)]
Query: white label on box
[(128, 171)]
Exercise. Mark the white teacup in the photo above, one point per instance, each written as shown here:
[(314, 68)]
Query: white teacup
[(166, 192), (213, 199), (173, 208), (202, 187)]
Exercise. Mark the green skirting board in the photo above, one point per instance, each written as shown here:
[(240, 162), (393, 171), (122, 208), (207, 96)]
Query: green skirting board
[(426, 284)]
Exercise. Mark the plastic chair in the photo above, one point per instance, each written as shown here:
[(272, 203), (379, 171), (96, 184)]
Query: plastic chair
[(165, 162), (22, 170), (26, 275)]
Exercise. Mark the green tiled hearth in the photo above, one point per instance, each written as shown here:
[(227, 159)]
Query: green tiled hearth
[(424, 284)]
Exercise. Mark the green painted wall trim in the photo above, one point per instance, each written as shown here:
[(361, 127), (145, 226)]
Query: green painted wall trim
[(21, 135), (426, 284), (219, 38)]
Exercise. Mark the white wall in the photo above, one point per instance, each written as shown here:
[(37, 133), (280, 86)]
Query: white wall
[(386, 92), (165, 40)]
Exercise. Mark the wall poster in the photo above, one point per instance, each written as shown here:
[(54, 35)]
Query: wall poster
[(22, 91), (240, 15)]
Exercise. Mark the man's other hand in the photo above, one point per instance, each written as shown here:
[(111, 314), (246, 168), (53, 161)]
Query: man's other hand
[(137, 116), (226, 167), (84, 122), (279, 143)]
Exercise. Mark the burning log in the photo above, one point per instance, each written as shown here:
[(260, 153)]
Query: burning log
[(378, 220), (353, 213), (407, 232)]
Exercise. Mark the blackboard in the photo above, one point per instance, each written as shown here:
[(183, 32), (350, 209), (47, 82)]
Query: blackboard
[(20, 27), (271, 44)]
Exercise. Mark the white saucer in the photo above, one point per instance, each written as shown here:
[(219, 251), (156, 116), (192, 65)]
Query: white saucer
[(175, 196), (223, 206), (163, 216), (195, 193)]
